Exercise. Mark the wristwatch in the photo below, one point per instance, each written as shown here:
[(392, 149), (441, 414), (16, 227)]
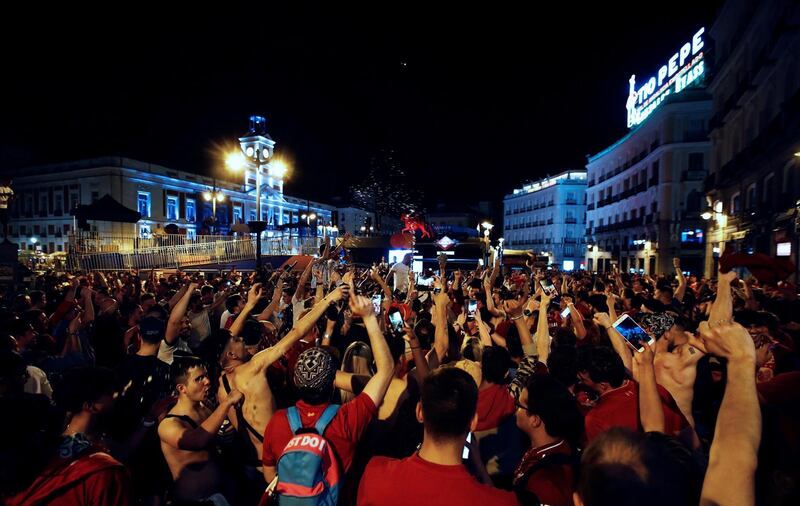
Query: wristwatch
[(527, 312)]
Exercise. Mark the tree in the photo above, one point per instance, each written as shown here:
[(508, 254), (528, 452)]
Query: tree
[(386, 190)]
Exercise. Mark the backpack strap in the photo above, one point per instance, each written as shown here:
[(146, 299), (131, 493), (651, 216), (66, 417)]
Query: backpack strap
[(326, 418), (185, 418), (240, 412), (294, 419)]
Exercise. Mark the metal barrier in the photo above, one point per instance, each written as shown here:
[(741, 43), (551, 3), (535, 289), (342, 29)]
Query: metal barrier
[(112, 253)]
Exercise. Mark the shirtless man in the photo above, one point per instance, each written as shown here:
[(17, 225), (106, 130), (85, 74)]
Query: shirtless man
[(188, 431), (249, 376)]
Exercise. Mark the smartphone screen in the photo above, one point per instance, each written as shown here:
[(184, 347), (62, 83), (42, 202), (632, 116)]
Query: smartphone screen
[(548, 287), (465, 451), (376, 303), (634, 335), (472, 306), (396, 320), (565, 312)]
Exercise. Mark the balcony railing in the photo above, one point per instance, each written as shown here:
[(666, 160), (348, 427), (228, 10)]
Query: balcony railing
[(571, 202), (570, 220)]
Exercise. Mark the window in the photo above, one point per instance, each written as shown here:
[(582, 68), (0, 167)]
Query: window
[(60, 247), (752, 196), (191, 233), (144, 230), (191, 211), (23, 230), (59, 203), (143, 203), (95, 196), (768, 193), (51, 229), (654, 172), (172, 207), (66, 228), (43, 205), (695, 161), (736, 203), (237, 213), (37, 230), (692, 236)]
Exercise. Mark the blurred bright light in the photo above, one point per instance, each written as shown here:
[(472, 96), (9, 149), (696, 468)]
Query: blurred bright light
[(278, 168), (207, 195), (236, 161)]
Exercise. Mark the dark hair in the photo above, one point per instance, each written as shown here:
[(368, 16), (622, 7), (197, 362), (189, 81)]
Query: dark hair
[(206, 289), (424, 330), (563, 365), (449, 397), (12, 372), (495, 362), (397, 345), (33, 428), (232, 301), (253, 332), (194, 299), (604, 365), (550, 400), (36, 296), (83, 385), (181, 366), (473, 350), (564, 338), (147, 296)]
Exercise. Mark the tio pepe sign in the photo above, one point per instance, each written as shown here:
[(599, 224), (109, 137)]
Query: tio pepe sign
[(681, 70)]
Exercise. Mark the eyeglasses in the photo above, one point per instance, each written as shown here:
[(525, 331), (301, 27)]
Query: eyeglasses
[(520, 406)]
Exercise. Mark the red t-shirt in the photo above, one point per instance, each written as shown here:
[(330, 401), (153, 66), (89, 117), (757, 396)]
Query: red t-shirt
[(94, 478), (620, 408), (495, 403), (390, 482), (343, 432), (551, 484)]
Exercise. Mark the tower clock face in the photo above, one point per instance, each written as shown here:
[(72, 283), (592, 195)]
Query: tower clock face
[(265, 153), (249, 150)]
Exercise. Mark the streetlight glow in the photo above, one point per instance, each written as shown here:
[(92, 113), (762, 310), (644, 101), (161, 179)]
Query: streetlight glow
[(312, 216), (487, 225), (207, 196), (706, 215), (235, 161), (278, 168), (220, 197)]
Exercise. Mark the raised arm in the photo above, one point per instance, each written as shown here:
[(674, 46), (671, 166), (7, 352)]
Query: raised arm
[(617, 341), (722, 308), (273, 305), (253, 296), (483, 330), (543, 330), (441, 337), (681, 290), (301, 285), (264, 358), (513, 309), (378, 384), (177, 314), (178, 296), (487, 287), (734, 450), (175, 432), (651, 412), (576, 318)]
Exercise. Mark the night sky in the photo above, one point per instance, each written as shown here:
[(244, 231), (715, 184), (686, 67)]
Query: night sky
[(473, 101)]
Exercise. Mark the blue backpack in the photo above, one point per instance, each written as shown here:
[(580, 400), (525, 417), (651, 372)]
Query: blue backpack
[(308, 469)]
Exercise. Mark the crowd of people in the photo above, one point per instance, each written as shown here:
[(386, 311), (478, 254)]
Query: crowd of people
[(326, 383)]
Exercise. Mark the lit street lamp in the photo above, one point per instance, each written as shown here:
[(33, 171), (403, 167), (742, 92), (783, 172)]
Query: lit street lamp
[(487, 229), (214, 196)]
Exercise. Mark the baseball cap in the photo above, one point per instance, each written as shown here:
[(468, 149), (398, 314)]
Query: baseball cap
[(152, 329)]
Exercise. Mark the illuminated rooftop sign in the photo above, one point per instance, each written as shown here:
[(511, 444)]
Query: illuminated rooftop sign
[(681, 70)]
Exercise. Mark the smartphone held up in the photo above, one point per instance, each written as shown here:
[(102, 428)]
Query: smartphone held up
[(633, 333)]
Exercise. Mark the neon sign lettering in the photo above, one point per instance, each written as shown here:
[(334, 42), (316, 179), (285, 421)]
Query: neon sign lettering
[(682, 69)]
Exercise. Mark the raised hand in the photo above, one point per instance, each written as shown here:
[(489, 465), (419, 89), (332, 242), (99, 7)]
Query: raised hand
[(254, 294), (513, 308), (728, 340), (361, 306), (602, 319), (342, 292)]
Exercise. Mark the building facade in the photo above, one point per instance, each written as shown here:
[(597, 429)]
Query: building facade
[(645, 191), (753, 186), (352, 219), (548, 217), (45, 195)]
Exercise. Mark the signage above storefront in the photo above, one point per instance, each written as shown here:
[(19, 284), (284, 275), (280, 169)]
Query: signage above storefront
[(683, 69)]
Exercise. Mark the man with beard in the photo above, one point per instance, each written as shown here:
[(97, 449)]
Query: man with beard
[(187, 433)]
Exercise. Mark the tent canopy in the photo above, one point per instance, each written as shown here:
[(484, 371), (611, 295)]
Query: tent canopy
[(106, 209)]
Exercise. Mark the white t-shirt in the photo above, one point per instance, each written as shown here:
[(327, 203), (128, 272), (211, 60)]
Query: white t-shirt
[(201, 326), (37, 382), (224, 319), (400, 276)]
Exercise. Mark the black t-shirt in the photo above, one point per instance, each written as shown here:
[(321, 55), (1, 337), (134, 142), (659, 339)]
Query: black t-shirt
[(142, 381)]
